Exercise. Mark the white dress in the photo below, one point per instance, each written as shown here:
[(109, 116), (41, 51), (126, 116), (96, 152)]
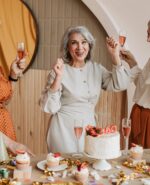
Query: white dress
[(76, 100)]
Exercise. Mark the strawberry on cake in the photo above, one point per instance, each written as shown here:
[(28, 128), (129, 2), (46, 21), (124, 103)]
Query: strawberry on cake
[(102, 143), (53, 159)]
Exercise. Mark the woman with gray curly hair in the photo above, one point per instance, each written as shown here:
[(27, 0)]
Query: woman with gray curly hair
[(74, 85), (65, 40), (140, 114)]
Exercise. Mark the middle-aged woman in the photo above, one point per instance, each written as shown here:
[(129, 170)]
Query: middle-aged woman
[(74, 85), (140, 114)]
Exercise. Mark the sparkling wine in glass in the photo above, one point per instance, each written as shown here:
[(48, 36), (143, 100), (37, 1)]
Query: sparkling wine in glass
[(122, 38), (21, 50), (78, 130), (126, 129)]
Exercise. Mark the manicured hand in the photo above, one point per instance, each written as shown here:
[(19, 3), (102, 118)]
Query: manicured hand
[(114, 49), (128, 57), (17, 67)]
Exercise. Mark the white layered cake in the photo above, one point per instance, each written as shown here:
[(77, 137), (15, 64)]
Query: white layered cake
[(102, 143)]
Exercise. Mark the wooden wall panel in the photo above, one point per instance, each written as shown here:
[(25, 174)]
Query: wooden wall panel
[(30, 122), (53, 16)]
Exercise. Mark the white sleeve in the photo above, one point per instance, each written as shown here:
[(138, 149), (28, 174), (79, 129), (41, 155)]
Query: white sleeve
[(135, 73), (116, 80), (50, 101), (141, 74), (147, 73)]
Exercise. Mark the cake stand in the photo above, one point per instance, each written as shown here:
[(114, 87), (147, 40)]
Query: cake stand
[(101, 162)]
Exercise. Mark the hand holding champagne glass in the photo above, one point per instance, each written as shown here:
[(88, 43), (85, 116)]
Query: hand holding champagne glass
[(126, 129), (78, 130), (20, 53)]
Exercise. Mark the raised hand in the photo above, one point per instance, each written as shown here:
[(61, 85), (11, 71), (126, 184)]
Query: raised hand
[(114, 49), (59, 67), (17, 67)]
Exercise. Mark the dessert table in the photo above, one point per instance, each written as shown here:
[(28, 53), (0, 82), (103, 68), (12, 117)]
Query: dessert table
[(39, 176)]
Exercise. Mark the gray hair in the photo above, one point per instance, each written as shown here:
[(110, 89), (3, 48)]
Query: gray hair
[(64, 43)]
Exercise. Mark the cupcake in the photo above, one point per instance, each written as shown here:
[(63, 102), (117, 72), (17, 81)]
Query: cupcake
[(22, 160), (53, 159), (136, 152), (82, 172)]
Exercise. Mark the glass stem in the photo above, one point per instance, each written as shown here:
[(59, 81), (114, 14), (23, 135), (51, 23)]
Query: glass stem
[(126, 145), (77, 145)]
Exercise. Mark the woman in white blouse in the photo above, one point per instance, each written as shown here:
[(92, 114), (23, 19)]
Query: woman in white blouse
[(74, 85), (140, 114)]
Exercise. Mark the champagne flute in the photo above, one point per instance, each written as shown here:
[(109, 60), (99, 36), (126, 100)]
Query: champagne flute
[(78, 130), (122, 38), (126, 129), (20, 52)]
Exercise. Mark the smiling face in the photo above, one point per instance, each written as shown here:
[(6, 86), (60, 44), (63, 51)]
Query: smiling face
[(78, 48)]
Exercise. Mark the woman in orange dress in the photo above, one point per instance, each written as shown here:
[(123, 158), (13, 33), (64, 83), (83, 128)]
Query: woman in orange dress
[(6, 124)]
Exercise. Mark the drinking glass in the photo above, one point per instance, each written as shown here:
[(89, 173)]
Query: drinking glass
[(126, 129), (78, 130), (21, 50), (122, 37)]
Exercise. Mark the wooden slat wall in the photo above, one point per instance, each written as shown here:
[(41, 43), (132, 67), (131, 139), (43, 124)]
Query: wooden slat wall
[(53, 17), (30, 122)]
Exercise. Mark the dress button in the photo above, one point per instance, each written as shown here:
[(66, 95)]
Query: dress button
[(84, 81), (81, 70), (88, 91)]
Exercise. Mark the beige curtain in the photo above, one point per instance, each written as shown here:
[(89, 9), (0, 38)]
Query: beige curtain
[(16, 25)]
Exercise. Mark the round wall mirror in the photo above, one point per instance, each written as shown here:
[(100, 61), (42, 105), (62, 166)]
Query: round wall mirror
[(17, 24)]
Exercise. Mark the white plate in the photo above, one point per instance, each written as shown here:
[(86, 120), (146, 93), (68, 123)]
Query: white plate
[(41, 165)]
